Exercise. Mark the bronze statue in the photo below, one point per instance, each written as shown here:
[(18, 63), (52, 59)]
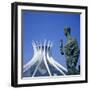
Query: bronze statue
[(71, 52)]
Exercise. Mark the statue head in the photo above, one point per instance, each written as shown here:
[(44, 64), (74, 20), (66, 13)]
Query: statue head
[(67, 31)]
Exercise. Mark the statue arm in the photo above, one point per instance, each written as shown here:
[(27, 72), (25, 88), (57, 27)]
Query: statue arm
[(61, 47), (62, 51)]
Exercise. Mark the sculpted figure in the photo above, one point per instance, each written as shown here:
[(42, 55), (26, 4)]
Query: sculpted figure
[(71, 52)]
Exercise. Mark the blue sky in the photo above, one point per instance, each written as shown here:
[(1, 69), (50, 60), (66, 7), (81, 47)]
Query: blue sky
[(39, 26)]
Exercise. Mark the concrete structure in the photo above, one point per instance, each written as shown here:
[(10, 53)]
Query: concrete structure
[(42, 62)]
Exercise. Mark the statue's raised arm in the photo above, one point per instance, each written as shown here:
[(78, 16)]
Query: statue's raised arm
[(61, 47)]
